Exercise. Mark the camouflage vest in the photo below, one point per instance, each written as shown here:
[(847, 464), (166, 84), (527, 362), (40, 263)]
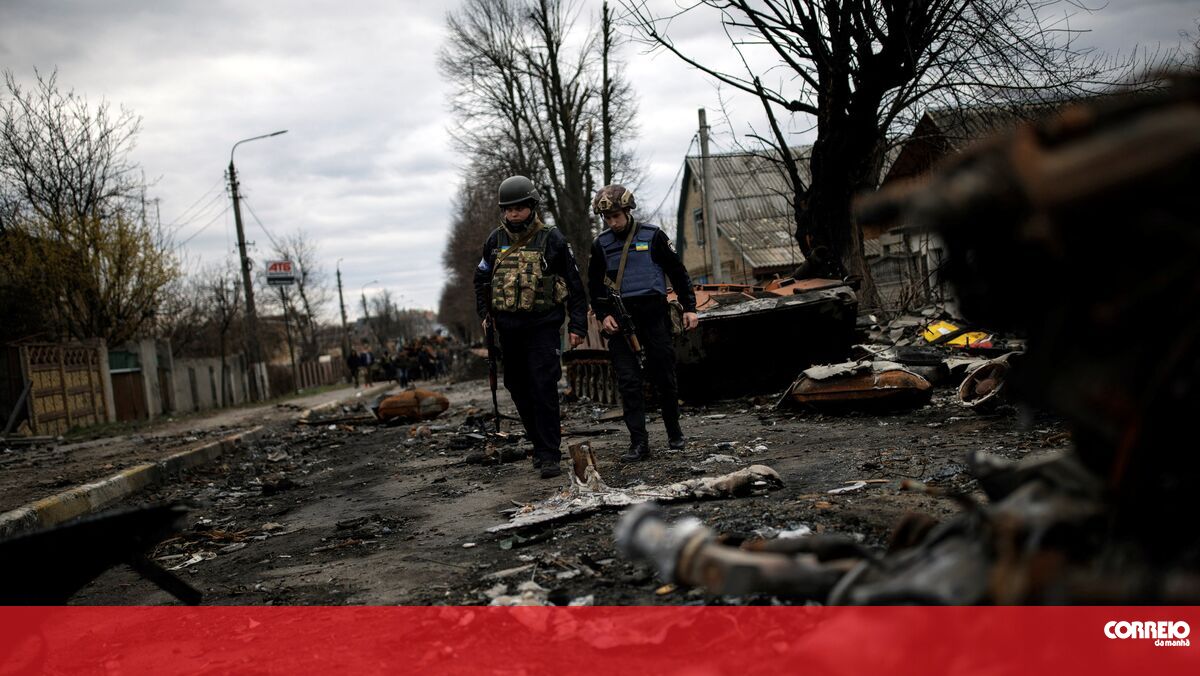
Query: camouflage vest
[(520, 282)]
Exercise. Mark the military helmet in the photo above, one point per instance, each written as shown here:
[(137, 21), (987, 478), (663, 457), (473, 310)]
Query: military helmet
[(516, 190), (612, 197)]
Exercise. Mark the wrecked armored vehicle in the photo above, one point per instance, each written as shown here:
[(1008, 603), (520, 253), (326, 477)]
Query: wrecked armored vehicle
[(751, 340)]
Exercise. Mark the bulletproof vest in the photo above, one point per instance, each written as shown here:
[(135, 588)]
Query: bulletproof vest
[(520, 282), (643, 277)]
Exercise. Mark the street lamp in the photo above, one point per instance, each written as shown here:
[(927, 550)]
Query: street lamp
[(258, 388)]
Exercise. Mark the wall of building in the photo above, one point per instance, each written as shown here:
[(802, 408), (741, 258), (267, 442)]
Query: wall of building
[(695, 255)]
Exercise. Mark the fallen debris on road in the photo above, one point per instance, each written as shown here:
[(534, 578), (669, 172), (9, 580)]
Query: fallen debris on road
[(983, 389), (587, 491), (411, 405), (873, 385)]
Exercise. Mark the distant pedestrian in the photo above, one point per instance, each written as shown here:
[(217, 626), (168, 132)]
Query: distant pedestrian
[(366, 361), (352, 365)]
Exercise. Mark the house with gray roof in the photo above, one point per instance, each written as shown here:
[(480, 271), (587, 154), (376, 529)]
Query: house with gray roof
[(755, 220)]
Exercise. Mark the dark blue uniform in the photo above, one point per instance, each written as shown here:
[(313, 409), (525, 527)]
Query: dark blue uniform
[(644, 293)]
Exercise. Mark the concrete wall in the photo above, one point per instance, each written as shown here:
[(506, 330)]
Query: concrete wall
[(197, 383), (147, 352)]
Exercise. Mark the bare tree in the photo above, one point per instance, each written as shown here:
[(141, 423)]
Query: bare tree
[(184, 308), (475, 216), (863, 68), (307, 299), (71, 212), (527, 99), (392, 323)]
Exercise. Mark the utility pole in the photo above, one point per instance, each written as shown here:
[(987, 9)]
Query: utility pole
[(345, 331), (253, 352), (258, 386), (710, 214), (366, 313)]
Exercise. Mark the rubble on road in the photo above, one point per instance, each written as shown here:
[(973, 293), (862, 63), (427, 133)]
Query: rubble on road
[(983, 389), (873, 385), (587, 491), (411, 405)]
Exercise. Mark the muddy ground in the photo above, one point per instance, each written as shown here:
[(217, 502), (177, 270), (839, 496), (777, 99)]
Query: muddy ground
[(363, 514)]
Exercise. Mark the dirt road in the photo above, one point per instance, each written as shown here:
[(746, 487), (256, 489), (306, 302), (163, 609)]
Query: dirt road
[(363, 514)]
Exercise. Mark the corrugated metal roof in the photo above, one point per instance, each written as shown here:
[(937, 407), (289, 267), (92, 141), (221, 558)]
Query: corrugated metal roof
[(872, 248), (752, 200)]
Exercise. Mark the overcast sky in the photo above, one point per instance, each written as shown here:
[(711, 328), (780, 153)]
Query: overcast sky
[(366, 168)]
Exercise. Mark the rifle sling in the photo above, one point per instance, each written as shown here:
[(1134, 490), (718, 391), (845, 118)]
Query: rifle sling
[(616, 283)]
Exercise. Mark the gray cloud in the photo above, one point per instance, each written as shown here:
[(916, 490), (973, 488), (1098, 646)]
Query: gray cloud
[(367, 168)]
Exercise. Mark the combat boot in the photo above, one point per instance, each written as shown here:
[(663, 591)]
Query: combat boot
[(677, 443), (550, 469), (637, 452)]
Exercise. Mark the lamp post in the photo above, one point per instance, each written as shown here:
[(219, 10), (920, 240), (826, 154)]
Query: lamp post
[(258, 388)]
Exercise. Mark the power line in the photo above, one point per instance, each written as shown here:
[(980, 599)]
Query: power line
[(204, 227), (678, 175), (199, 214), (184, 214), (261, 226)]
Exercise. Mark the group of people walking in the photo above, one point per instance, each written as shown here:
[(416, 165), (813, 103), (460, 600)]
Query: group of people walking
[(527, 283), (421, 359)]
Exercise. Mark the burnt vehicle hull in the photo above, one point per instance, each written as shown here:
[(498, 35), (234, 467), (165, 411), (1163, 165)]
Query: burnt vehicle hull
[(751, 340), (754, 340)]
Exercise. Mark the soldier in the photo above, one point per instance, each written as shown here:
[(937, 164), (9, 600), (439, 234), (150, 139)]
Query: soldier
[(526, 273), (626, 270)]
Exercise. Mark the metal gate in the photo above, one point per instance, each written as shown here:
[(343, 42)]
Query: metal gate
[(66, 387)]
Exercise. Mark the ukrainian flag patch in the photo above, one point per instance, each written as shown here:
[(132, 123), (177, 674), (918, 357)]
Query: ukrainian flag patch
[(641, 246)]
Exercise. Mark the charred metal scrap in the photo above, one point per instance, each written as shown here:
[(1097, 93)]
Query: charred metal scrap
[(1076, 230), (587, 491), (49, 566)]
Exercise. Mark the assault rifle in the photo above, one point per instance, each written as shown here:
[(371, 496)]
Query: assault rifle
[(627, 327), (493, 356)]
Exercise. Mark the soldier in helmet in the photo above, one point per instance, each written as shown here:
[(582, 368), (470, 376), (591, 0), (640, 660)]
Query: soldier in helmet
[(629, 261), (526, 273)]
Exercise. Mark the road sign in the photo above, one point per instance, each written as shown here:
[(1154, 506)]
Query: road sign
[(281, 273)]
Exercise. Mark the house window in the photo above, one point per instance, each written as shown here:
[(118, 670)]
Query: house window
[(698, 220)]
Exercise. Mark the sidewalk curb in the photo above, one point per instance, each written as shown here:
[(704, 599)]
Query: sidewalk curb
[(92, 497)]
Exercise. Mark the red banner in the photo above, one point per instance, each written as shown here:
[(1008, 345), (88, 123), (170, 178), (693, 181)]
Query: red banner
[(660, 640)]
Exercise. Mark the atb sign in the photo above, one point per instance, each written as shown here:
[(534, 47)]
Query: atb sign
[(281, 273)]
